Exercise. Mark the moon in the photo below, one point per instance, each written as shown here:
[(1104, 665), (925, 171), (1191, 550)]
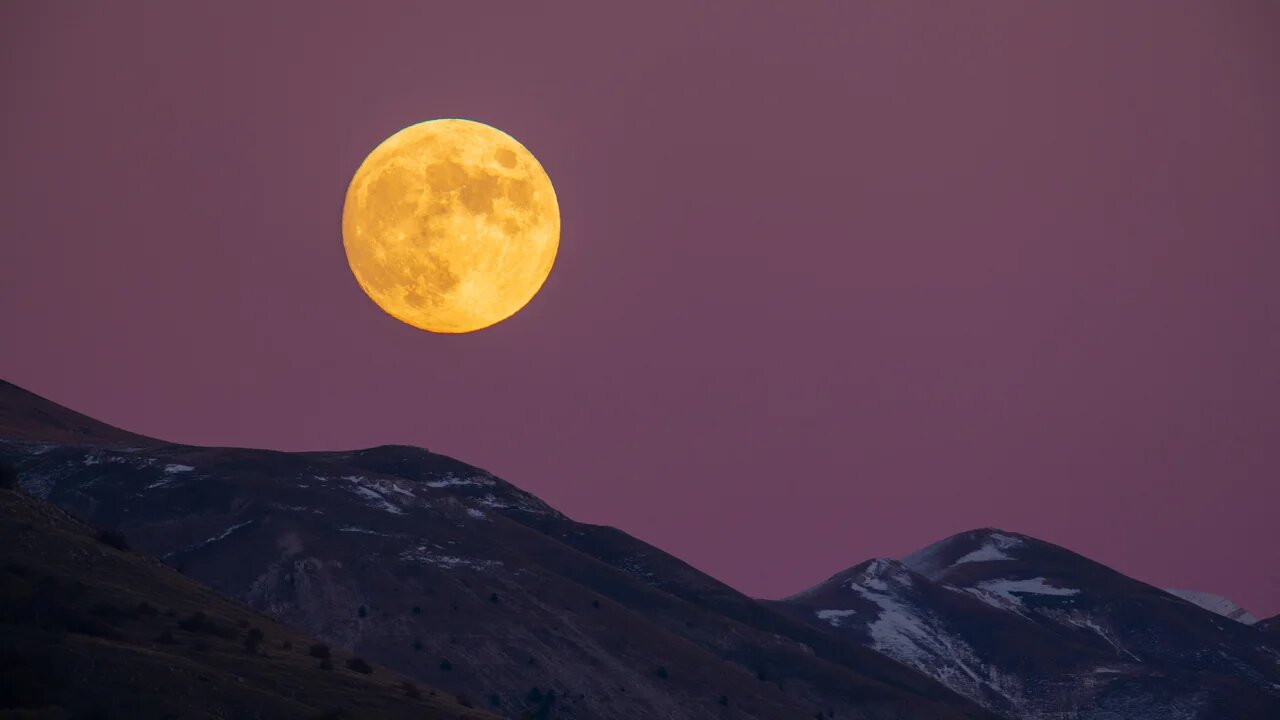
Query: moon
[(450, 226)]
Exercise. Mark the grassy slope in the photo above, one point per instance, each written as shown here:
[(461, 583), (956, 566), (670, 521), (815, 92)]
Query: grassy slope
[(93, 631)]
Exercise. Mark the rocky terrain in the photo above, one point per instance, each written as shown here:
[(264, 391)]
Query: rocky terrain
[(1032, 630), (92, 629)]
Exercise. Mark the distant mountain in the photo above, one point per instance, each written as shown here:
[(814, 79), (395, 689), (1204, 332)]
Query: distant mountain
[(1032, 630), (92, 630), (459, 580)]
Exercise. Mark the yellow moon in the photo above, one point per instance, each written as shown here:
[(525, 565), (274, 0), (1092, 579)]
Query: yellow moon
[(451, 226)]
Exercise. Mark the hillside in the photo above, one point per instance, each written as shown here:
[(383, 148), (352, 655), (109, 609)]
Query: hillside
[(95, 631), (461, 581)]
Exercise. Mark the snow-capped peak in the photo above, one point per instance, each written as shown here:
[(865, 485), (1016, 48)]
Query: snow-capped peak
[(985, 545), (995, 548)]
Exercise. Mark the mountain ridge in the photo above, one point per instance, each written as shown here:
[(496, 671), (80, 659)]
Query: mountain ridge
[(460, 580)]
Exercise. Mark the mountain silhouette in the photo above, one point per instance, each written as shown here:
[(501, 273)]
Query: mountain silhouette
[(459, 580)]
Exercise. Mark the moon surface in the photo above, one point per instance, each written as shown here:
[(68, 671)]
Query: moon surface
[(451, 226)]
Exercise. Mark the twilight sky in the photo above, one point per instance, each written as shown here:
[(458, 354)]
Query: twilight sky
[(836, 279)]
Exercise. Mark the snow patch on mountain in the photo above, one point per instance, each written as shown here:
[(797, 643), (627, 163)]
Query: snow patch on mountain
[(365, 531), (833, 617), (423, 554), (220, 536), (1081, 621), (452, 480), (171, 473), (522, 503), (880, 573), (371, 496), (991, 545), (995, 548), (1215, 604), (915, 637), (225, 533), (1007, 594)]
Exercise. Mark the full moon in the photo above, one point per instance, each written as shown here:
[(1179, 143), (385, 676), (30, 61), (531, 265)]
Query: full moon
[(451, 226)]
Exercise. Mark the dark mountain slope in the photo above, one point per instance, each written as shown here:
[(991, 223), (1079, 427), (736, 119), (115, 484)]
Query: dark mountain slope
[(462, 581), (1271, 625), (687, 602), (27, 416), (93, 630)]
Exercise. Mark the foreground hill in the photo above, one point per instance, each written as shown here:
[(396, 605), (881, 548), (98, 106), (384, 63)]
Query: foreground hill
[(443, 572), (94, 630), (1032, 630)]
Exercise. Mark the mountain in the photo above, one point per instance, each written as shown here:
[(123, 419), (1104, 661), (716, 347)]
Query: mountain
[(459, 580), (1032, 630), (92, 629)]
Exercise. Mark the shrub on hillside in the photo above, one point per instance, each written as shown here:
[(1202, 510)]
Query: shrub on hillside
[(111, 613), (252, 639), (319, 651), (8, 475), (198, 622), (194, 622), (358, 664), (114, 538)]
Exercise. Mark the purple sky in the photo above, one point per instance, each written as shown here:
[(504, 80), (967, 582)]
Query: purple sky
[(835, 280)]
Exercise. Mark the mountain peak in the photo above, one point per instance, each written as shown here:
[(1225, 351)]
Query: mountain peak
[(877, 574), (981, 545)]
